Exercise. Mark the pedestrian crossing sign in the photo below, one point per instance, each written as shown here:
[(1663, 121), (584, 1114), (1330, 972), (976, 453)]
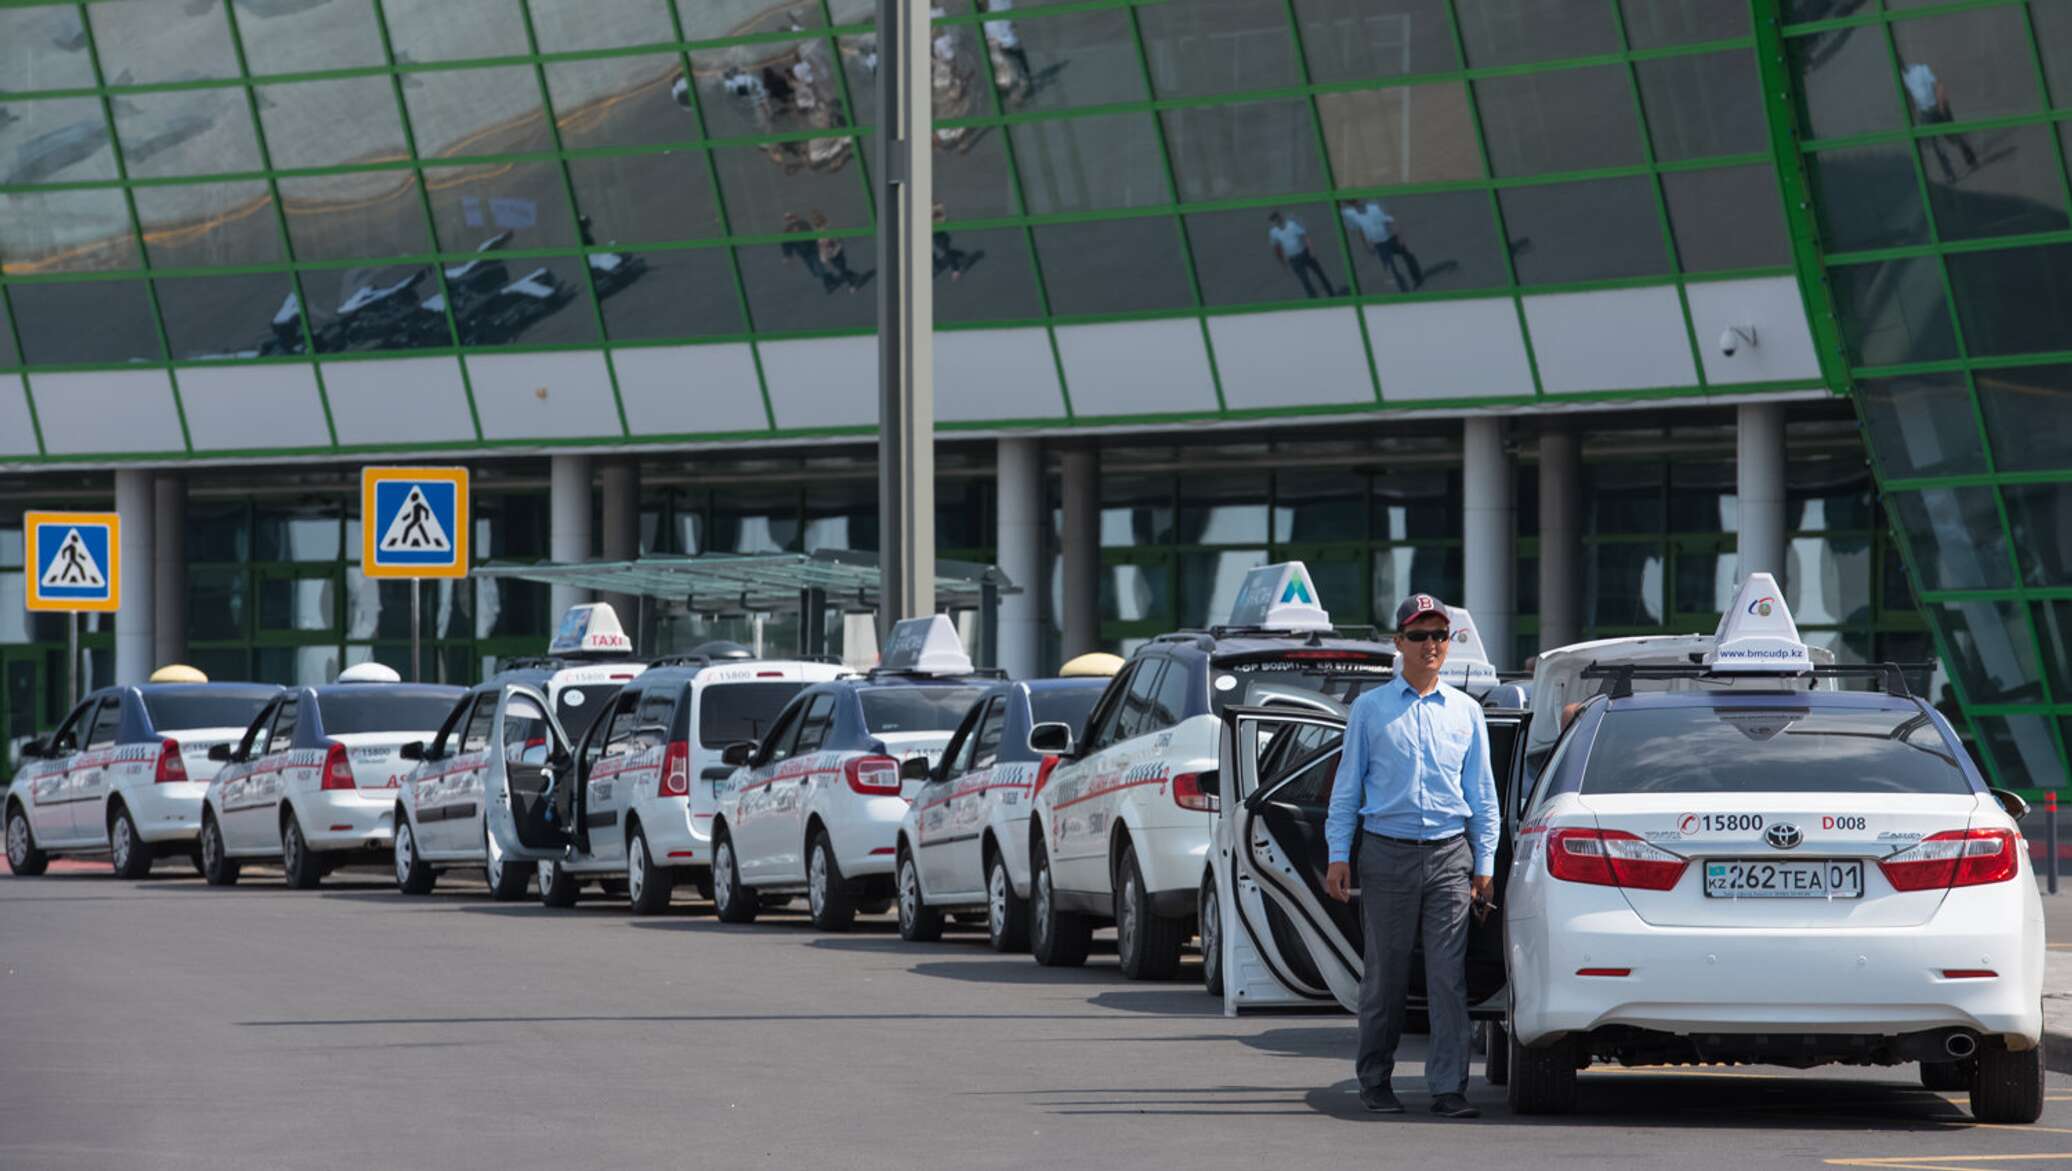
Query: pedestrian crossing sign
[(414, 522), (74, 561)]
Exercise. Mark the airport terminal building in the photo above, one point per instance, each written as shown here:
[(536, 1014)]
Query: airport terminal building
[(1572, 310)]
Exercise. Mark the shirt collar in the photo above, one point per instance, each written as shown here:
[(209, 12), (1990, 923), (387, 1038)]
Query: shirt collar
[(1410, 693)]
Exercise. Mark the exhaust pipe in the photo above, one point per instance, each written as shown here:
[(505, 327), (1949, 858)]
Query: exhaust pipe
[(1960, 1045)]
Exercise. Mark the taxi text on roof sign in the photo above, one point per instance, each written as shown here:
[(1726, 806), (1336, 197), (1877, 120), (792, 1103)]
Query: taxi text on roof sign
[(1467, 663), (590, 629), (1280, 597), (925, 646), (1757, 633), (74, 561), (414, 522)]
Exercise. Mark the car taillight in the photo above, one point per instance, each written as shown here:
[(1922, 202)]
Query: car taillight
[(1612, 857), (1955, 857), (873, 776), (676, 770), (171, 769), (1043, 772), (338, 771), (1187, 794)]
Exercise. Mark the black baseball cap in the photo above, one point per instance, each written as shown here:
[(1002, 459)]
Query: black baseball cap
[(1417, 606)]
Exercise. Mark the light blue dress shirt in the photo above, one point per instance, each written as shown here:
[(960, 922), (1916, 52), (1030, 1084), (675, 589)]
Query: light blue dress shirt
[(1417, 767)]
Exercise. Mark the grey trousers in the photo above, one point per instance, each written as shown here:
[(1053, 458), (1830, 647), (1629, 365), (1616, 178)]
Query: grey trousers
[(1404, 889)]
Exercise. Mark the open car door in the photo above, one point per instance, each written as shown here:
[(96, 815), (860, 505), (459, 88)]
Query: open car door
[(520, 808)]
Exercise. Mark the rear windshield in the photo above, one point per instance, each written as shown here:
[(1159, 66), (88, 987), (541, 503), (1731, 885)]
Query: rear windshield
[(732, 712), (1063, 707), (172, 713), (384, 711), (916, 709), (1770, 750), (1257, 681), (579, 705)]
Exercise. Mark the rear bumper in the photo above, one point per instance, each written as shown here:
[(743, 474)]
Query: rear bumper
[(166, 814), (672, 838), (339, 820), (1173, 860), (865, 834)]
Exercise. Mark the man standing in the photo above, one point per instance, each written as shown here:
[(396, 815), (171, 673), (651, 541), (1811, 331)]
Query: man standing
[(1378, 228), (1414, 785), (1290, 242), (1932, 107)]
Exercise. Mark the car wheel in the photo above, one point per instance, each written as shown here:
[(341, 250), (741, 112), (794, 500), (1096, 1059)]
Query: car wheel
[(1147, 943), (733, 902), (832, 903), (918, 922), (301, 865), (2008, 1087), (217, 867), (126, 847), (194, 859), (23, 857), (648, 886), (557, 886), (413, 877), (1211, 904), (1947, 1075), (1496, 1054), (1007, 913), (1543, 1080), (1058, 939), (507, 881)]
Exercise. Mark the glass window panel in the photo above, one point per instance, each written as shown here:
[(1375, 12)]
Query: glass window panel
[(1727, 218), (387, 307), (1595, 230), (1867, 198), (1957, 539), (1893, 312), (326, 123), (1624, 497), (56, 140), (1569, 120), (815, 283), (634, 199), (500, 205), (216, 603), (567, 25), (984, 276), (1709, 104), (142, 42), (1966, 66), (2040, 516), (1138, 593), (1703, 498), (2009, 183), (9, 359), (1513, 32), (767, 193), (299, 37), (2015, 301), (1845, 82), (1704, 580), (1652, 24), (369, 214), (381, 609), (513, 609), (530, 302), (957, 77), (1319, 506), (1417, 505), (1440, 242), (2053, 25), (305, 666), (1830, 581), (460, 112), (86, 321), (296, 532), (2022, 747), (1624, 584), (218, 531), (507, 525), (65, 231), (444, 30), (1898, 592), (299, 603), (706, 20), (1921, 425), (755, 520), (840, 518), (1402, 570), (1136, 510), (972, 178), (1991, 652), (1354, 40), (231, 316), (1245, 256), (621, 101), (1054, 62), (2054, 632), (196, 225), (781, 87), (1209, 583), (1218, 46), (1405, 134), (44, 48), (1089, 164), (1114, 266), (1223, 510), (1830, 495), (681, 293), (186, 133), (2028, 417)]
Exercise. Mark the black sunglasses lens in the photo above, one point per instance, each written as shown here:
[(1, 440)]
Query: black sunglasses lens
[(1424, 636)]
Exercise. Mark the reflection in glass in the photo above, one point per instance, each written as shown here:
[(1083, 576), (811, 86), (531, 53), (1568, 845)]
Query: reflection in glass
[(2028, 417), (142, 42), (325, 123), (1623, 581), (1090, 164), (1956, 68), (215, 603), (1732, 217), (957, 77), (1354, 40), (455, 113), (296, 603), (2021, 746), (1991, 652), (1867, 198), (1595, 230), (1209, 583), (1508, 32), (2053, 26), (781, 87), (1410, 242), (91, 321), (1653, 24), (295, 532), (44, 48), (197, 225), (1830, 581), (711, 20), (1705, 581), (633, 199), (55, 140), (1237, 151), (621, 101), (442, 30), (381, 608), (296, 36), (972, 178), (1623, 498), (1421, 504), (1830, 494), (495, 206), (530, 302), (9, 359), (984, 276), (1114, 266), (1405, 134), (2015, 301), (767, 187), (1054, 62), (815, 282), (1218, 46), (1921, 425), (1136, 511), (1845, 81), (2009, 186), (1402, 570), (1245, 257), (389, 307), (2040, 516), (188, 132), (1319, 506), (305, 666), (231, 316), (1709, 104), (1957, 538), (679, 293), (1222, 510), (1893, 312), (1570, 120), (369, 214), (2054, 632), (1703, 497), (65, 231), (755, 520), (567, 25)]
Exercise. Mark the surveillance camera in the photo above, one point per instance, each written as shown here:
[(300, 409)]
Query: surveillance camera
[(1728, 343)]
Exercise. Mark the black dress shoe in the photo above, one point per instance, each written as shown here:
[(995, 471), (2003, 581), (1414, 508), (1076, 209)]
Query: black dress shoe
[(1380, 1100), (1454, 1106)]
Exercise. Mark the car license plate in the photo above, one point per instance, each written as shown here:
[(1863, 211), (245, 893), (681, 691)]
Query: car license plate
[(1802, 878)]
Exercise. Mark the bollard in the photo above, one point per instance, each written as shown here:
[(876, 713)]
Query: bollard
[(2050, 821)]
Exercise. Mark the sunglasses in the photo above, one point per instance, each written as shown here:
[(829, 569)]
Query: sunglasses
[(1424, 635)]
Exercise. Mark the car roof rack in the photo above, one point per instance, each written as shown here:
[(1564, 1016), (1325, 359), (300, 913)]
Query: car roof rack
[(1207, 638), (894, 673), (697, 660), (1618, 677), (533, 663)]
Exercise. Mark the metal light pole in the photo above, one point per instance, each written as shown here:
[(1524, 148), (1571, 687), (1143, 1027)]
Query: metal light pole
[(906, 314)]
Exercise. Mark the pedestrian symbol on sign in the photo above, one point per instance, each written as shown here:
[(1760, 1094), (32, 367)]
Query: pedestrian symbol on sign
[(74, 565), (415, 529)]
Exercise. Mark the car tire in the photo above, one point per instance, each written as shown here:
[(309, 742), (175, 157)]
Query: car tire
[(303, 870), (1542, 1080), (703, 884), (218, 868), (194, 859), (23, 858), (126, 848), (731, 901), (1211, 904), (830, 902), (1496, 1054), (1147, 943), (918, 922), (1007, 913), (648, 886), (558, 888), (1945, 1076), (1058, 939), (507, 882), (2008, 1087), (413, 876)]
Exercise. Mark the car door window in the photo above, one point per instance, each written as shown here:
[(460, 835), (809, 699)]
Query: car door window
[(621, 735), (957, 757), (481, 722), (1101, 726), (283, 727), (988, 751), (447, 742), (106, 721), (813, 727), (66, 738), (1136, 718), (524, 731), (256, 736), (656, 713), (1169, 703), (782, 736)]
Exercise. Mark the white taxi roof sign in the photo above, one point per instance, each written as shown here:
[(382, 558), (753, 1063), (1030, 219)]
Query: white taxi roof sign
[(1467, 663), (1757, 635), (926, 646), (1279, 597), (369, 673), (590, 629)]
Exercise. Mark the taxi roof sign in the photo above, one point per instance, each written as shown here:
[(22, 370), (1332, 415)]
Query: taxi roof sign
[(1279, 597), (414, 522), (1757, 634), (591, 629), (369, 673), (926, 646), (74, 561), (1467, 663)]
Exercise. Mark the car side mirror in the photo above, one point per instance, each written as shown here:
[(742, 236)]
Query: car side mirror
[(34, 749), (1051, 739), (717, 772), (219, 752), (412, 751), (2012, 802), (738, 753), (915, 768), (1210, 782)]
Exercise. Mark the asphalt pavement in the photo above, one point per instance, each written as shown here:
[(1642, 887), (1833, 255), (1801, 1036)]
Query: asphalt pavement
[(165, 1024)]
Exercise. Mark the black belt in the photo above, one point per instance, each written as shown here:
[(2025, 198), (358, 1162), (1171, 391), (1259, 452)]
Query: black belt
[(1423, 842)]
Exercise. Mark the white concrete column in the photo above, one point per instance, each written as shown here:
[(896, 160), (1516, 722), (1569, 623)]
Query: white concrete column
[(1080, 595), (1561, 538), (1759, 472), (1019, 504), (169, 567), (568, 524), (1489, 535), (136, 500), (618, 482)]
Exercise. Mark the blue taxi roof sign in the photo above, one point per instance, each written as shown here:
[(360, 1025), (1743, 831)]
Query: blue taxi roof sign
[(1279, 597), (926, 646), (591, 630), (1757, 635), (1467, 663)]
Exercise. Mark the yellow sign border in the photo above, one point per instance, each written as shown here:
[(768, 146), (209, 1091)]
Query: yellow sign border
[(33, 524), (369, 538)]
